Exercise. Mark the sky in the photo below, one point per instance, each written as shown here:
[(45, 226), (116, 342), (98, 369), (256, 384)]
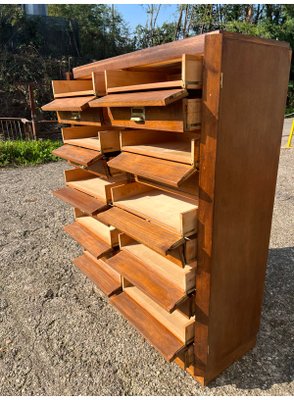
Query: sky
[(134, 14)]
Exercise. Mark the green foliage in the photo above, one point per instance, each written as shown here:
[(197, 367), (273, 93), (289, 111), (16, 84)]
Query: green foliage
[(103, 33), (27, 152)]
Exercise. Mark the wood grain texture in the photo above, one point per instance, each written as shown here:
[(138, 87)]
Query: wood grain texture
[(159, 98), (168, 210), (80, 200), (91, 143), (177, 151), (88, 117), (153, 236), (160, 289), (107, 280), (183, 278), (143, 57), (153, 331), (237, 183), (72, 88), (69, 104), (78, 155), (181, 116), (164, 171), (78, 132), (92, 243)]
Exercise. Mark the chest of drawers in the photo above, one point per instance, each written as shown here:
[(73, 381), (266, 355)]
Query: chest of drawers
[(176, 233)]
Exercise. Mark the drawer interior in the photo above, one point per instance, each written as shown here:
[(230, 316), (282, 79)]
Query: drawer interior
[(176, 322), (183, 72), (72, 88), (165, 145), (169, 210), (90, 184), (86, 117), (92, 138), (183, 278)]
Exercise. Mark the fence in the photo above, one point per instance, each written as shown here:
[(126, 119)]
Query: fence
[(16, 129), (22, 129)]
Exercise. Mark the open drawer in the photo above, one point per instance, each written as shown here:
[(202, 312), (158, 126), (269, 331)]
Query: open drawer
[(153, 274), (87, 117), (90, 184), (174, 212), (181, 251), (77, 155), (100, 273), (163, 171), (80, 87), (91, 138), (97, 238), (164, 145), (158, 156), (169, 333), (183, 72), (166, 110), (75, 104)]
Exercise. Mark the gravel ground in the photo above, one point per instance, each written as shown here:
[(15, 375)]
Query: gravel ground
[(59, 336)]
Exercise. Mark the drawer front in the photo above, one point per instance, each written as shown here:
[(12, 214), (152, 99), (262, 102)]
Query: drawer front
[(181, 116), (89, 117)]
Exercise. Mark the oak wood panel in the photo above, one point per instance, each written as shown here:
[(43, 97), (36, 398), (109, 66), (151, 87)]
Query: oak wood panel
[(177, 151), (107, 233), (88, 117), (78, 155), (153, 331), (164, 171), (116, 81), (69, 104), (72, 88), (92, 243), (143, 57), (176, 322), (181, 116), (162, 290), (107, 280), (183, 278), (91, 143), (78, 132), (159, 98), (80, 200), (168, 210), (237, 185), (153, 236)]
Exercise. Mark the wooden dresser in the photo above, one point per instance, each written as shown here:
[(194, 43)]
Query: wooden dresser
[(173, 155)]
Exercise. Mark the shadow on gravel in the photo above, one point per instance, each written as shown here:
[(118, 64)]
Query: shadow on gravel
[(272, 360)]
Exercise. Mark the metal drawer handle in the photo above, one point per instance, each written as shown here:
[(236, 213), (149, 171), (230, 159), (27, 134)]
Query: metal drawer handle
[(138, 115)]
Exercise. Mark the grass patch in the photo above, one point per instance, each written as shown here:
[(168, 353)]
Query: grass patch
[(32, 152)]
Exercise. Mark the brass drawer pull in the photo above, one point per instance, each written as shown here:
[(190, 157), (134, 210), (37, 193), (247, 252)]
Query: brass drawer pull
[(138, 115)]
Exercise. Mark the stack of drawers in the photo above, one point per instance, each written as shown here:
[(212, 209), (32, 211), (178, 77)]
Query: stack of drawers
[(141, 141)]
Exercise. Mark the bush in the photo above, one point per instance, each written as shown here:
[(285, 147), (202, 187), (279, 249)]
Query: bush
[(27, 152)]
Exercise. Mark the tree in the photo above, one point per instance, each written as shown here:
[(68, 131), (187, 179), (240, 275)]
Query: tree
[(103, 33)]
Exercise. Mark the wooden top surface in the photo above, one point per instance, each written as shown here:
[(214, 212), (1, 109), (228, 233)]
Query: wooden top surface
[(99, 273), (69, 104), (153, 331), (137, 99), (78, 155), (157, 238), (159, 288), (164, 171), (94, 244), (80, 200), (163, 52)]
